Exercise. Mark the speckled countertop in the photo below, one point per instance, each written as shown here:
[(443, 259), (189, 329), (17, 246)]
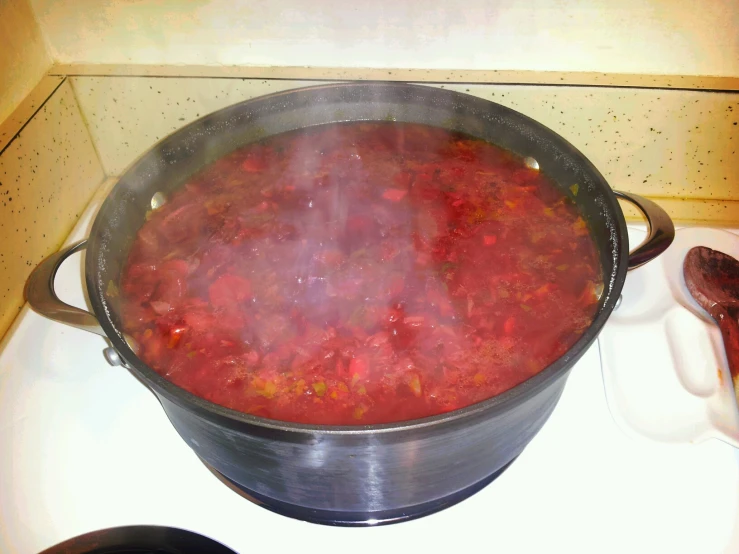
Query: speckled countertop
[(678, 147), (674, 145)]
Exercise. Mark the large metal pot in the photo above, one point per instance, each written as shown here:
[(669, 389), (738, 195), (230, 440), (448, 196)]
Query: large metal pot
[(363, 474)]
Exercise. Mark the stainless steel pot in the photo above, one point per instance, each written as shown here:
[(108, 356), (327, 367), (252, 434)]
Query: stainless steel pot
[(363, 474)]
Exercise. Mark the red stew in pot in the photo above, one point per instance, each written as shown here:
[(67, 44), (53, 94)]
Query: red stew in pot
[(360, 273)]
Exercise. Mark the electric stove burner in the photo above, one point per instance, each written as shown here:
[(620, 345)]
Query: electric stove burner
[(356, 519), (140, 539)]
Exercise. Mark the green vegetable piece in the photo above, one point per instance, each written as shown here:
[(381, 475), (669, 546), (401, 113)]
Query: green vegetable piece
[(357, 317), (112, 290), (574, 189), (448, 266)]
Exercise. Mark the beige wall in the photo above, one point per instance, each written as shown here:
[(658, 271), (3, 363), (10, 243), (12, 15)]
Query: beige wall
[(23, 57), (624, 36)]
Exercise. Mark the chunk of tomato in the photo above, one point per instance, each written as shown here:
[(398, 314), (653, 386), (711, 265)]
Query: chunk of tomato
[(394, 195), (229, 289), (359, 366), (253, 164)]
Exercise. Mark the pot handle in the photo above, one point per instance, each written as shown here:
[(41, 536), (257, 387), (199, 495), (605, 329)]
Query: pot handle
[(42, 298), (660, 226)]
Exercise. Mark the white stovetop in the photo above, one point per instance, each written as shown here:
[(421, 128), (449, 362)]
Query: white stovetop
[(84, 446)]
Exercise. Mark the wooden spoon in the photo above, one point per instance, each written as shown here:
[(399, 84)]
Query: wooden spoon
[(712, 278)]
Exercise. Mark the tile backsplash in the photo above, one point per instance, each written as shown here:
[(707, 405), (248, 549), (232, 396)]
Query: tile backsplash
[(676, 146), (127, 115), (671, 144), (48, 173)]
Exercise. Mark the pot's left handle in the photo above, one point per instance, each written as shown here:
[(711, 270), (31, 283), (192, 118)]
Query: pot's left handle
[(42, 298)]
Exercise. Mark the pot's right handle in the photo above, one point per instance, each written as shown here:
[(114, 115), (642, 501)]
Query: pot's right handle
[(42, 298), (660, 226)]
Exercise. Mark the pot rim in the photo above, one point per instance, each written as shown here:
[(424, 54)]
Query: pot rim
[(519, 393)]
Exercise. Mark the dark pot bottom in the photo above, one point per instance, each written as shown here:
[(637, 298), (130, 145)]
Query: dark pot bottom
[(357, 519), (140, 539)]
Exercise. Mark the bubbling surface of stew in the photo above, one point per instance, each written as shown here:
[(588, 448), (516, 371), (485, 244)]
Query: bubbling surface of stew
[(360, 273)]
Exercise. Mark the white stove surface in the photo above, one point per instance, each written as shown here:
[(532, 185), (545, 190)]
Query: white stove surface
[(84, 446)]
